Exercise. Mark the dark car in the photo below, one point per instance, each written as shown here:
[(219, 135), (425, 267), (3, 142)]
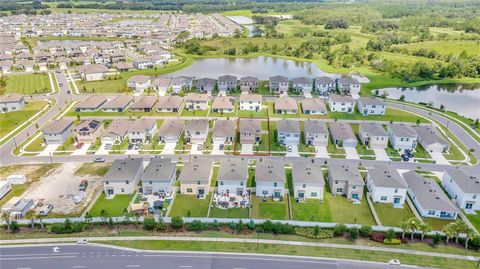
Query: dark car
[(83, 185), (409, 153), (405, 158), (130, 147)]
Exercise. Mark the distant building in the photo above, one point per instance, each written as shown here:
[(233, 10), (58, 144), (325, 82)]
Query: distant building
[(12, 102)]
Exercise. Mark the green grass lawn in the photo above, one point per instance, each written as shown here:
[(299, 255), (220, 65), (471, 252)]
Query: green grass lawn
[(344, 211), (420, 152), (68, 145), (117, 148), (391, 114), (390, 216), (194, 113), (10, 121), (311, 210), (445, 47), (114, 206), (93, 169), (238, 213), (269, 210), (27, 84), (182, 204), (474, 219), (253, 114), (17, 190), (274, 145), (437, 224), (36, 145)]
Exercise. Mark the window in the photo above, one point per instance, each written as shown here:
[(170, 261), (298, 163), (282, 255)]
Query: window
[(106, 182), (198, 182), (339, 190), (304, 185), (265, 192), (431, 212), (396, 190), (122, 190), (150, 182), (274, 184), (241, 183), (221, 183), (474, 196), (383, 198), (189, 190), (126, 182), (313, 194)]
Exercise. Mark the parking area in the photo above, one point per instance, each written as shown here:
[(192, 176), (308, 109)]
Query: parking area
[(102, 150), (292, 151), (247, 149), (196, 149), (321, 152), (351, 153), (216, 149), (381, 155)]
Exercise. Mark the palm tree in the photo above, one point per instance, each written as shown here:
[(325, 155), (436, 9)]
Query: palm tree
[(6, 217), (40, 220), (405, 227), (31, 215), (449, 231), (425, 228), (460, 227), (413, 226), (469, 235)]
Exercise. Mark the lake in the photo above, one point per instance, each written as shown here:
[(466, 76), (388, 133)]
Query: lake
[(463, 99)]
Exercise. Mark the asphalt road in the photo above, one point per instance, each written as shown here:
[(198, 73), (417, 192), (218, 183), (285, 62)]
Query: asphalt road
[(88, 256)]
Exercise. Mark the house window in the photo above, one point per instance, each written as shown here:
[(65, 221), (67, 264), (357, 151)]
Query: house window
[(264, 192), (304, 185), (221, 183), (151, 182), (474, 196), (198, 182), (396, 190), (189, 190), (383, 198), (122, 190), (313, 194), (353, 187), (106, 182), (339, 190), (275, 184), (126, 182), (336, 181), (241, 183), (431, 212)]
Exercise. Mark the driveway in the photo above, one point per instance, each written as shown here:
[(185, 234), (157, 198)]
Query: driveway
[(294, 152), (83, 150), (439, 158), (194, 149), (216, 149), (247, 149), (307, 94), (169, 148), (351, 153), (131, 152), (222, 93), (321, 152), (381, 155), (101, 150), (49, 150)]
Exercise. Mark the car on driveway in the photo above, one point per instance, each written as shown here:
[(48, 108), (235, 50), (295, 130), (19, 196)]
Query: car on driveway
[(289, 148), (136, 146), (130, 146), (405, 158), (221, 146), (107, 146), (200, 147), (98, 160), (79, 145)]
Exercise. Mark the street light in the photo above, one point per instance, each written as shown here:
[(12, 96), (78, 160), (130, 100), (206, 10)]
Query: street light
[(50, 155)]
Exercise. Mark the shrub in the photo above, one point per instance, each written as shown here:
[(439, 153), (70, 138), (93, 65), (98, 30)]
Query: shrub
[(13, 226), (240, 226), (353, 232), (277, 228), (436, 239), (340, 229), (161, 225), (311, 233), (67, 227), (378, 237), (196, 226), (149, 223), (214, 225), (267, 226), (251, 225), (392, 241), (232, 225), (177, 223), (288, 229), (365, 231), (390, 234)]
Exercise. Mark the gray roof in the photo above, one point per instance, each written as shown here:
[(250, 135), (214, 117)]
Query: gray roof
[(206, 82), (224, 128), (196, 125), (159, 170), (288, 126), (248, 80), (233, 169), (182, 80), (138, 79), (11, 98), (341, 98), (428, 193), (306, 172), (92, 102), (467, 183), (196, 170), (227, 78), (348, 81), (278, 79), (270, 171), (313, 104), (118, 127), (124, 169), (346, 173), (144, 102), (171, 128), (429, 135), (341, 131), (92, 68), (302, 80), (142, 125), (402, 130), (388, 177), (315, 126), (121, 101), (371, 101), (58, 126), (324, 80), (372, 128)]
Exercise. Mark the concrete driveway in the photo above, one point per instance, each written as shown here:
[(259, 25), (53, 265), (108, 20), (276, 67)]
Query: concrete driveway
[(307, 94), (247, 149), (131, 152), (351, 153), (216, 149), (439, 158), (49, 150), (294, 152), (102, 150), (194, 149), (381, 155), (169, 148), (83, 150), (321, 152)]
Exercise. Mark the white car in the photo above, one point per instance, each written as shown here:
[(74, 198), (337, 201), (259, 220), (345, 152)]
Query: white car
[(45, 209), (289, 148)]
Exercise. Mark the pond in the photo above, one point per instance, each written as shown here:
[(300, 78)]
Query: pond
[(247, 22), (463, 99)]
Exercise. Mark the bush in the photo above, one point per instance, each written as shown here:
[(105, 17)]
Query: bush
[(267, 226), (277, 228), (340, 230), (177, 223), (67, 227), (161, 225), (437, 238), (390, 234), (149, 223), (288, 229), (365, 231), (353, 232), (232, 225), (214, 225), (196, 226), (392, 241), (251, 225), (13, 226), (378, 237), (312, 233)]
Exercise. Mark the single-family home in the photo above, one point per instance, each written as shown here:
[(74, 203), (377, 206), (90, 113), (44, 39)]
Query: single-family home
[(308, 181), (181, 83), (402, 136), (143, 104), (313, 106), (116, 132), (223, 131), (20, 208), (92, 72), (342, 135), (171, 103), (279, 84), (346, 180), (227, 83), (341, 103), (223, 104), (142, 62), (429, 198), (286, 105), (288, 132), (91, 104), (371, 106), (315, 132), (159, 176), (195, 178), (123, 67), (196, 101), (123, 176), (250, 131), (386, 185), (249, 84), (118, 104), (463, 188), (57, 132), (232, 177), (87, 131), (302, 84), (205, 85), (430, 139), (142, 130), (139, 83), (170, 131), (270, 178), (161, 85), (324, 85), (196, 131), (348, 85), (373, 135), (12, 102), (250, 102)]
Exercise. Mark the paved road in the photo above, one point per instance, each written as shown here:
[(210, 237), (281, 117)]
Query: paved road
[(87, 256)]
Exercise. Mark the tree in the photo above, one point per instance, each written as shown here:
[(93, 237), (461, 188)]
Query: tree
[(6, 218), (469, 235), (177, 222), (405, 226), (425, 228), (87, 218), (104, 216), (460, 227), (40, 220), (126, 215), (31, 215), (449, 231)]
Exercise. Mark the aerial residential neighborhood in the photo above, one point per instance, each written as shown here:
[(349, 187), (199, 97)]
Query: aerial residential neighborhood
[(250, 134)]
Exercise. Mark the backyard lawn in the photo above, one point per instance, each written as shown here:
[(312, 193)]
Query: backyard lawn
[(474, 219), (311, 210), (237, 213), (10, 121), (93, 169), (27, 84), (344, 211), (114, 207), (269, 210), (36, 145), (274, 145), (190, 206), (390, 216), (437, 224)]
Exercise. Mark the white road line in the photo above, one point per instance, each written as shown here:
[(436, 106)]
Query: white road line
[(184, 266), (132, 265), (38, 258), (36, 254), (79, 266), (24, 268)]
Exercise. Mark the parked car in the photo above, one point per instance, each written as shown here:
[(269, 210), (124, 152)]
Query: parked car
[(405, 158), (136, 146), (289, 148), (107, 146), (200, 147), (409, 153), (221, 146), (98, 160), (78, 197), (83, 185), (130, 146), (79, 145), (45, 209)]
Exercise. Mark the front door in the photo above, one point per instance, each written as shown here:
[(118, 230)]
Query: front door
[(396, 200), (109, 192), (201, 192), (277, 194)]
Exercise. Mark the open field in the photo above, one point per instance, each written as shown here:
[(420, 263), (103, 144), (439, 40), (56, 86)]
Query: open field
[(10, 121), (445, 47), (27, 84)]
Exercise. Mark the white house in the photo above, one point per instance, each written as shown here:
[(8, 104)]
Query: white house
[(402, 136), (250, 102), (181, 83), (324, 85), (279, 84), (223, 131), (313, 106), (159, 176), (346, 180), (139, 83), (270, 178), (348, 85), (123, 176), (341, 103), (302, 84), (57, 132), (385, 185), (92, 72), (343, 135), (170, 131), (196, 131), (91, 104), (464, 189), (288, 132), (232, 177), (308, 181), (373, 135), (371, 106), (116, 132), (142, 130), (430, 139), (315, 132), (227, 83), (12, 102)]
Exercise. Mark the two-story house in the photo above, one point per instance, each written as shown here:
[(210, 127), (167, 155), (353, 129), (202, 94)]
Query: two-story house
[(232, 177), (250, 102), (316, 133), (307, 179), (196, 131), (402, 136), (288, 132), (123, 176), (142, 130), (159, 176), (386, 185), (371, 106), (463, 188), (270, 178), (341, 103), (195, 178), (373, 135), (279, 84), (346, 180)]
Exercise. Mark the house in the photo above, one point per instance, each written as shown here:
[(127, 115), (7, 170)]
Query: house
[(116, 132), (223, 104), (341, 103), (196, 101), (5, 187), (313, 106), (57, 132), (227, 83), (429, 198), (87, 131), (316, 133), (162, 85), (371, 106), (123, 176), (91, 104), (123, 67), (170, 131), (250, 131), (139, 83), (250, 102), (142, 63), (348, 85), (196, 131), (373, 135), (118, 104), (12, 102), (232, 177), (346, 180), (20, 208), (159, 176), (270, 178), (223, 131), (206, 85), (171, 103), (463, 188), (430, 139), (307, 180), (195, 178), (181, 83), (285, 105), (302, 84), (402, 136), (324, 85), (288, 132), (144, 104), (249, 84), (385, 185), (279, 84), (142, 130), (92, 72), (342, 135)]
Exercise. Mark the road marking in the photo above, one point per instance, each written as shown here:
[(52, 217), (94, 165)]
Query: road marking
[(79, 266), (38, 258), (37, 254), (184, 266), (132, 265), (24, 268)]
